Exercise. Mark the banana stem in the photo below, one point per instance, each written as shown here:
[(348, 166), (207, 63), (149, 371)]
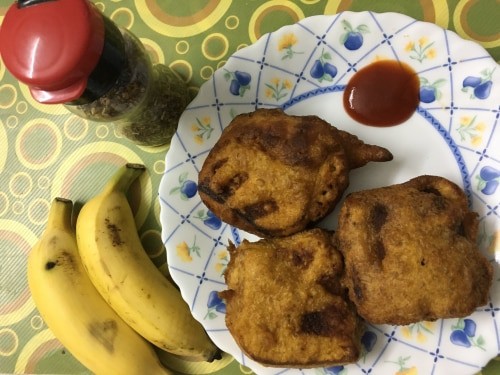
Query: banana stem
[(124, 177), (60, 214)]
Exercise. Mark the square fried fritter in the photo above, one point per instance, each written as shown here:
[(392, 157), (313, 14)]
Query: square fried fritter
[(285, 305), (410, 252), (272, 174)]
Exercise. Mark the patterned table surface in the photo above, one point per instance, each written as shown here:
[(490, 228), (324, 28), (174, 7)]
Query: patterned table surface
[(46, 152)]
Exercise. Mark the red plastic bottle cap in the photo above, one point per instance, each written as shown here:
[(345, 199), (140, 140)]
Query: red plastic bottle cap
[(52, 46)]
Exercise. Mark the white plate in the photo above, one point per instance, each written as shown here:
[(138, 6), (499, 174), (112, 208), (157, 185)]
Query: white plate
[(454, 134)]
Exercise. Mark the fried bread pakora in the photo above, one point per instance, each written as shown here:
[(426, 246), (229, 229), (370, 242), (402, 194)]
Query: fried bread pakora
[(410, 252), (285, 305), (272, 174)]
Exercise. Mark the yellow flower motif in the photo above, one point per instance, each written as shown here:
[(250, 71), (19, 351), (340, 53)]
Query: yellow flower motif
[(198, 139), (476, 140), (379, 58), (465, 120), (471, 130), (429, 325), (421, 50), (276, 88), (223, 257), (401, 362), (183, 252), (219, 267), (406, 332), (287, 41), (409, 46), (494, 245), (431, 53), (421, 330), (275, 81), (421, 338), (481, 127), (408, 371), (423, 41), (202, 128)]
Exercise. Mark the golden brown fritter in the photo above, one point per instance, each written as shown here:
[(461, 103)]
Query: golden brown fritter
[(285, 305), (410, 252), (272, 174)]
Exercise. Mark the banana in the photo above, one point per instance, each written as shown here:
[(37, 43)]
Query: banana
[(123, 273), (73, 309), (185, 365)]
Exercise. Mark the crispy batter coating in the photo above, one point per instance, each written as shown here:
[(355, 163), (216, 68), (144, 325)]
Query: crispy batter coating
[(410, 252), (272, 174), (285, 305)]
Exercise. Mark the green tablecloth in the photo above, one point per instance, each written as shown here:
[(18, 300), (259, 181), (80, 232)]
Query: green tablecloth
[(46, 152)]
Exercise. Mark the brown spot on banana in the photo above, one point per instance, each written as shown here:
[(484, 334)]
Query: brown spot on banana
[(68, 259), (113, 232), (65, 258), (105, 333), (51, 263)]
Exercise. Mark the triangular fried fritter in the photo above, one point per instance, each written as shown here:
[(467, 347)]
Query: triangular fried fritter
[(272, 174)]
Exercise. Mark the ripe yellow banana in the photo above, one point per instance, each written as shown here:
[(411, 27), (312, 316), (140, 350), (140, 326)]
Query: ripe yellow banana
[(184, 365), (73, 309), (122, 272)]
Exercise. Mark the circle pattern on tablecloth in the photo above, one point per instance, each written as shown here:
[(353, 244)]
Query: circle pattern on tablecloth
[(215, 46), (182, 47), (18, 207), (16, 240), (75, 128), (468, 23), (37, 322), (183, 68), (271, 15), (21, 107), (46, 135), (20, 184), (9, 342), (123, 17), (232, 22), (154, 50), (8, 96), (38, 211), (12, 121), (158, 16), (4, 146)]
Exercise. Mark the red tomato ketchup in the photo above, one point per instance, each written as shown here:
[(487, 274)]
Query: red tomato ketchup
[(384, 93)]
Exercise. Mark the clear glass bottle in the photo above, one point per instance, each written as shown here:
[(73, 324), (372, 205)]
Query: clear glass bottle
[(146, 101), (68, 52)]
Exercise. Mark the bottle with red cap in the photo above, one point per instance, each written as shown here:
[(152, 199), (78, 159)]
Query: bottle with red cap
[(68, 52)]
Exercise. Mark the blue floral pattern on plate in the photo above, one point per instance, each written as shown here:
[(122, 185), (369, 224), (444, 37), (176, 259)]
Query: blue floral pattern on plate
[(453, 133)]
